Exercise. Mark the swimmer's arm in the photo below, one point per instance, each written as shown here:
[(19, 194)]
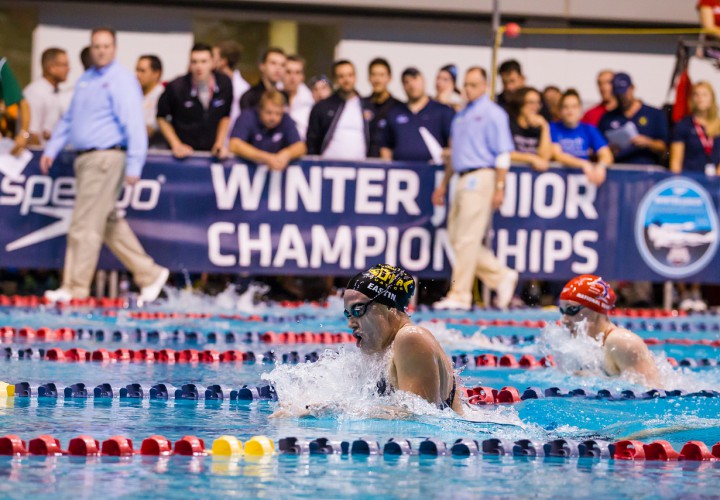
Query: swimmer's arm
[(416, 367), (631, 354)]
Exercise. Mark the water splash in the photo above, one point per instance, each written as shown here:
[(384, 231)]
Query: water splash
[(572, 353), (187, 299), (343, 384), (583, 355), (452, 339)]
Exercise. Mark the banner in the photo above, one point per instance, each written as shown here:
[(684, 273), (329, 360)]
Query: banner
[(337, 218)]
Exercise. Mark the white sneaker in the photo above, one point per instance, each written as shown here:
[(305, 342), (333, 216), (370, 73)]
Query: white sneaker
[(59, 295), (699, 305), (687, 304), (506, 289), (150, 293), (448, 304)]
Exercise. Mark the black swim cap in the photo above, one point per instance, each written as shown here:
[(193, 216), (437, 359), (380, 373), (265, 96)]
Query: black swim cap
[(392, 286)]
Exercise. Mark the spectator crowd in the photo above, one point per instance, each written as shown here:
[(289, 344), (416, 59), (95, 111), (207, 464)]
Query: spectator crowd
[(286, 115)]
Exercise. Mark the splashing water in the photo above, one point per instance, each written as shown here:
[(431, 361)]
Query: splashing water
[(453, 339), (227, 300), (572, 353), (582, 353), (344, 384)]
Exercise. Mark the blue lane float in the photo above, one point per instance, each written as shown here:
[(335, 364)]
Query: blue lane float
[(498, 447)]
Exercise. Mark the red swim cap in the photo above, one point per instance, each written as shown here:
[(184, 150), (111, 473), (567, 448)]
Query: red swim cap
[(591, 291)]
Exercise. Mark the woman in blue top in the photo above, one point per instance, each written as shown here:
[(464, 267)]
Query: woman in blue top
[(696, 148), (696, 139), (577, 144)]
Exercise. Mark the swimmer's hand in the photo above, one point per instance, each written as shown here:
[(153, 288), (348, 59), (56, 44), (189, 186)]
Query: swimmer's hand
[(583, 373), (289, 413), (312, 410)]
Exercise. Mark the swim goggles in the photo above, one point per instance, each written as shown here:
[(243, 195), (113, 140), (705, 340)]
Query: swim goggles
[(359, 310), (571, 310)]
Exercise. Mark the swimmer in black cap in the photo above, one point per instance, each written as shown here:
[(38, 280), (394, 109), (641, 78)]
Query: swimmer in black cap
[(375, 305)]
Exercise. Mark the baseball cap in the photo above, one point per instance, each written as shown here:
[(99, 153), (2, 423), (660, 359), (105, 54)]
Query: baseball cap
[(621, 82), (319, 78)]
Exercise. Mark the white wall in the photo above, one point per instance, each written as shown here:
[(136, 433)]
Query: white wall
[(542, 67), (173, 49), (656, 11)]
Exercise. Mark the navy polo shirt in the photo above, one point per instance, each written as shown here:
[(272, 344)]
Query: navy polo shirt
[(402, 130), (249, 129), (193, 124), (649, 121), (695, 158)]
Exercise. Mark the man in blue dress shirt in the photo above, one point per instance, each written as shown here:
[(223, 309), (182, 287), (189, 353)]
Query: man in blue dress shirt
[(481, 144), (105, 125)]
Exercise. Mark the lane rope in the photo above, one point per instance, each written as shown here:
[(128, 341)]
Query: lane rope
[(231, 447)]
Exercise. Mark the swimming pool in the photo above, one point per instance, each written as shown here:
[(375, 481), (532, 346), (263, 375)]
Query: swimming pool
[(354, 413)]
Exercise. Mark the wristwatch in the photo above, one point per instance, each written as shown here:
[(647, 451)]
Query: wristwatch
[(25, 134), (500, 185)]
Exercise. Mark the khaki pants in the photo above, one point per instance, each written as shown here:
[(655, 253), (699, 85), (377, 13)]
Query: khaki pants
[(99, 177), (468, 222)]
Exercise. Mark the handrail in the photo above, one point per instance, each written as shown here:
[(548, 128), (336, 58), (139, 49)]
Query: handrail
[(380, 162)]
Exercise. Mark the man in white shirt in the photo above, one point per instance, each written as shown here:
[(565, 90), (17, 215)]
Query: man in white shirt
[(47, 102), (339, 125), (300, 96), (149, 72), (226, 56)]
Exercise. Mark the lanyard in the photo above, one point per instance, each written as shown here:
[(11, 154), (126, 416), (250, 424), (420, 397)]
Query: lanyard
[(707, 142)]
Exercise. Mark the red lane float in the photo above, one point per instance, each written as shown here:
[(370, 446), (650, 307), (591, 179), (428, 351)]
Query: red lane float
[(118, 446), (629, 450), (660, 450), (156, 446), (115, 446), (190, 446), (12, 445), (83, 446), (695, 451), (45, 445)]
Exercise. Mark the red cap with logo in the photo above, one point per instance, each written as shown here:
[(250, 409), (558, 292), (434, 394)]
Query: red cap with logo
[(591, 291)]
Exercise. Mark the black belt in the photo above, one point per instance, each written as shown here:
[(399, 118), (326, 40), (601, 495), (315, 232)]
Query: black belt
[(471, 170), (116, 147)]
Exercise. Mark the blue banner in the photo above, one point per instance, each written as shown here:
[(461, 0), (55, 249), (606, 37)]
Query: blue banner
[(336, 218)]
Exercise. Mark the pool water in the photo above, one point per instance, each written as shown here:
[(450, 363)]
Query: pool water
[(341, 383)]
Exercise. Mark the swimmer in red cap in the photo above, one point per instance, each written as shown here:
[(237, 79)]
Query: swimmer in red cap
[(585, 302), (376, 301)]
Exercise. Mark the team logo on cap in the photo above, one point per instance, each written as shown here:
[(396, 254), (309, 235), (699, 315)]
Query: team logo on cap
[(676, 228)]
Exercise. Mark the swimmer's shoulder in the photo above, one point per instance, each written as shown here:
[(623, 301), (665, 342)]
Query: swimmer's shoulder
[(623, 338), (413, 337)]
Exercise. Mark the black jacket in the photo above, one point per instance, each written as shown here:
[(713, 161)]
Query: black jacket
[(323, 120), (379, 115), (251, 98), (193, 124)]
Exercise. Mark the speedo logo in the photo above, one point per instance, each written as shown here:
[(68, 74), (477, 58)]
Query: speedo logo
[(55, 198)]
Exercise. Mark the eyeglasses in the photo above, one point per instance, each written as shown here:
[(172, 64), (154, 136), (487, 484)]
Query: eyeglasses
[(359, 310), (571, 310)]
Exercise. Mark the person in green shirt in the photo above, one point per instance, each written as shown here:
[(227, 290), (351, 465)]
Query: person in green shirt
[(11, 94)]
